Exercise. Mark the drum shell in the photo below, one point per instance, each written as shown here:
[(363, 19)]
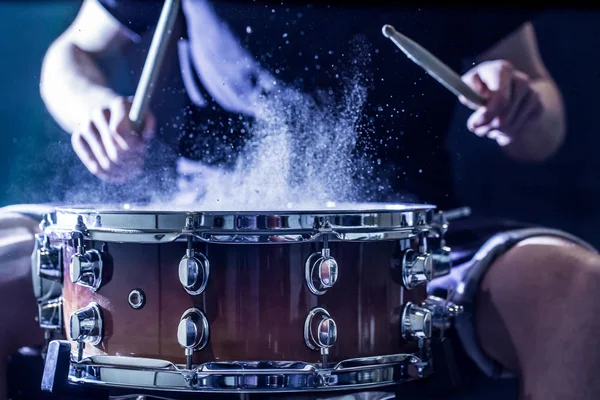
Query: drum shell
[(256, 300)]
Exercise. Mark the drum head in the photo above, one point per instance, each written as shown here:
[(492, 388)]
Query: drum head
[(289, 208)]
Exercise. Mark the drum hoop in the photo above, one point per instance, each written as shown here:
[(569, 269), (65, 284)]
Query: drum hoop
[(382, 222), (252, 376)]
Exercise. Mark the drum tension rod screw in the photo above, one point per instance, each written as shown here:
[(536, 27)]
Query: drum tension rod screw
[(80, 347), (422, 243)]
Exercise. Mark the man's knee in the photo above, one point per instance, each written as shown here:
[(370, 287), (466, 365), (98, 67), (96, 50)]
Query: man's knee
[(17, 235), (533, 291)]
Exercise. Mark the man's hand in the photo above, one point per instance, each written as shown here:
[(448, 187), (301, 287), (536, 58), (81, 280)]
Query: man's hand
[(109, 146), (512, 107)]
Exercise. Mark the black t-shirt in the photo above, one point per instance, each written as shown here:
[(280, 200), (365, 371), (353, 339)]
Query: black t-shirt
[(407, 113)]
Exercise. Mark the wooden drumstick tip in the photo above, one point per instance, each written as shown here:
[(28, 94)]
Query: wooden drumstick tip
[(388, 30)]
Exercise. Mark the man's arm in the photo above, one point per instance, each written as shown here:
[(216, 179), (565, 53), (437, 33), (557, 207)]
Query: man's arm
[(77, 95), (72, 85), (545, 133)]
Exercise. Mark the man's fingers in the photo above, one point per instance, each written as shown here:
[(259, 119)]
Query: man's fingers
[(108, 141), (84, 152), (467, 103), (472, 122), (520, 93), (531, 109), (474, 81), (94, 140), (121, 126), (109, 145), (88, 146)]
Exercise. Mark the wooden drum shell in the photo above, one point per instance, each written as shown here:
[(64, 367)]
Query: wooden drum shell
[(256, 300)]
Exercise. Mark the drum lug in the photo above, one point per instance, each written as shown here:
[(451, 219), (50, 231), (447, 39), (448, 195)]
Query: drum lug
[(321, 272), (416, 322), (48, 259), (194, 270), (442, 311), (50, 314), (86, 265), (442, 260), (86, 268), (417, 268), (86, 325), (320, 332), (192, 333)]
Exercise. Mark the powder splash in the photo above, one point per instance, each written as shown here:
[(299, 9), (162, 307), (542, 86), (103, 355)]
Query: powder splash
[(302, 151)]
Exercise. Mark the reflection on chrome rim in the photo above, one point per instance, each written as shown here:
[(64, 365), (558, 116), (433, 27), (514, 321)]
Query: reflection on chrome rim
[(248, 377), (365, 223)]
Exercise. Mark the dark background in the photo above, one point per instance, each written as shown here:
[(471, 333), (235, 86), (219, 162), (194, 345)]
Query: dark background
[(564, 192), (35, 156)]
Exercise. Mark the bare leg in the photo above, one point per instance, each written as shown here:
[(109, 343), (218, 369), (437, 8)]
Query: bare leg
[(17, 305), (537, 314), (19, 327)]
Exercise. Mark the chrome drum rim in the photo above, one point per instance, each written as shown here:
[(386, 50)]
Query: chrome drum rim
[(347, 222), (248, 376)]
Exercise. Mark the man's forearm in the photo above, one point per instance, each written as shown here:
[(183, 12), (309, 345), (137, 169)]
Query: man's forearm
[(72, 85), (546, 136)]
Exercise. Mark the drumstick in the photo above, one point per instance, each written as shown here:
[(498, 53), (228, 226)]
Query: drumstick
[(433, 65), (153, 63)]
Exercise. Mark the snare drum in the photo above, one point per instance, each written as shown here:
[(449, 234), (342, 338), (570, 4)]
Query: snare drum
[(290, 300)]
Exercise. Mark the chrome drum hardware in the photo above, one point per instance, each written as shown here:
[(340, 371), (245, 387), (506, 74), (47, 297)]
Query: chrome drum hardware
[(347, 222), (192, 333), (321, 271), (48, 259), (86, 325), (194, 270), (86, 269), (332, 368), (442, 311), (416, 322), (243, 377), (47, 277), (50, 314), (442, 261), (86, 265), (417, 269), (136, 299), (320, 332), (441, 254)]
